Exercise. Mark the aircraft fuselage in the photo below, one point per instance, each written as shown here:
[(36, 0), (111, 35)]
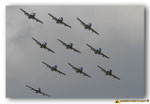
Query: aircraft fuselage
[(79, 71), (54, 68), (43, 46), (97, 52), (108, 73), (69, 46), (60, 20), (38, 90), (87, 27)]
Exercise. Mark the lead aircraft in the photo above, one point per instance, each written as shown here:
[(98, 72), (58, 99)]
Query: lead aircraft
[(31, 16)]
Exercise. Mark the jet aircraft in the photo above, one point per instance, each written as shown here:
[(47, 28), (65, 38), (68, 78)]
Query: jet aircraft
[(31, 16), (97, 51), (44, 45), (38, 91), (79, 70), (108, 72), (54, 68), (68, 46), (87, 26), (59, 20)]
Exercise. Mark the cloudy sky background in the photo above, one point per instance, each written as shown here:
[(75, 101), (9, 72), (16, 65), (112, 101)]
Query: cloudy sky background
[(121, 37)]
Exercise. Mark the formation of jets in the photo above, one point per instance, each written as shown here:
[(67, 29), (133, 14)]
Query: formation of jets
[(68, 46), (59, 20), (38, 91)]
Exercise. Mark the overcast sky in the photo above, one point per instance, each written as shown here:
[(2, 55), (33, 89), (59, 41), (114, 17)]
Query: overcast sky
[(121, 38)]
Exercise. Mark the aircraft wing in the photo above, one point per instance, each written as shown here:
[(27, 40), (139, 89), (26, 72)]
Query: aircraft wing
[(81, 22), (54, 18), (104, 55), (31, 88), (73, 67), (37, 42), (86, 74), (115, 77), (60, 72), (63, 43), (102, 69), (44, 94), (26, 13), (94, 31), (91, 47), (66, 25), (38, 20), (49, 50), (75, 50), (47, 65)]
